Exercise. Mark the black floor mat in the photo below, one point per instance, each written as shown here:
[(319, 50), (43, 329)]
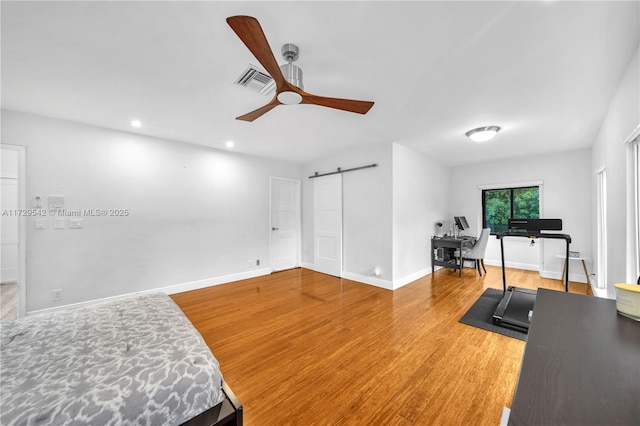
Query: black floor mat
[(481, 313)]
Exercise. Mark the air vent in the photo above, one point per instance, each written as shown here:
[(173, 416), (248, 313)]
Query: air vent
[(254, 79)]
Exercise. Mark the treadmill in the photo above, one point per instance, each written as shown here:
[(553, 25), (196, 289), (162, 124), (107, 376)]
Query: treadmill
[(516, 306)]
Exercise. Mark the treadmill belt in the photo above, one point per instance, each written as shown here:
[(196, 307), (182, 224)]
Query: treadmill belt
[(513, 310)]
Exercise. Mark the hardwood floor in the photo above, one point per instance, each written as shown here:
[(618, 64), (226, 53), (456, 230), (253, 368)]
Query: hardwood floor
[(302, 348)]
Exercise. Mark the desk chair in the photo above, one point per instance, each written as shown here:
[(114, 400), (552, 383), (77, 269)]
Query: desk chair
[(476, 253)]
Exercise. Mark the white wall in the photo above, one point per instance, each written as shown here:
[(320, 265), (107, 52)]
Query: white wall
[(367, 213), (421, 193), (622, 118), (566, 194), (196, 215)]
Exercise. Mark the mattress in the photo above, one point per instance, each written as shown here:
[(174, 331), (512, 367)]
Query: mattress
[(136, 361)]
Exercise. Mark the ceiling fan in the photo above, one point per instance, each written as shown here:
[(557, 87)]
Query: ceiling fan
[(288, 90)]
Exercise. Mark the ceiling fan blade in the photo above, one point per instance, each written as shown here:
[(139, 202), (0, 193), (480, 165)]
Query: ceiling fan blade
[(248, 29), (250, 32), (250, 116), (351, 105)]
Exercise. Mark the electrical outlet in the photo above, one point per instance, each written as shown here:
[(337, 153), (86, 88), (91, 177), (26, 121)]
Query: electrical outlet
[(57, 295), (249, 263), (257, 262)]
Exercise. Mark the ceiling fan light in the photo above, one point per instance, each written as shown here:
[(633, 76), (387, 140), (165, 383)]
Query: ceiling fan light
[(483, 134), (289, 98)]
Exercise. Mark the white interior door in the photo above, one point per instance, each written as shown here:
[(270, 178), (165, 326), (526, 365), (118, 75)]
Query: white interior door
[(327, 219), (285, 223), (9, 231), (12, 231)]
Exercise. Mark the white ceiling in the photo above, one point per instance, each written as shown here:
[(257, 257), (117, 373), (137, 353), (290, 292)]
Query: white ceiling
[(545, 71)]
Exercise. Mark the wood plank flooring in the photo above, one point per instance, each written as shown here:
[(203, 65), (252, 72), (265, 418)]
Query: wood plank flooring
[(302, 348)]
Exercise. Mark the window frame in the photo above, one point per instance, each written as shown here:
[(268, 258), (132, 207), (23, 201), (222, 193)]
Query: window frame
[(636, 205), (511, 189), (633, 209), (601, 229)]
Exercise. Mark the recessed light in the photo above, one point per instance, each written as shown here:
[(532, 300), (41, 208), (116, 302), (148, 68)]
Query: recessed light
[(483, 134), (136, 123), (229, 144)]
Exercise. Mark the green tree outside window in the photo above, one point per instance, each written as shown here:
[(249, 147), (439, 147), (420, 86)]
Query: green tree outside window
[(500, 205)]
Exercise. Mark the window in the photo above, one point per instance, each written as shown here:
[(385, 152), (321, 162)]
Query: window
[(500, 205)]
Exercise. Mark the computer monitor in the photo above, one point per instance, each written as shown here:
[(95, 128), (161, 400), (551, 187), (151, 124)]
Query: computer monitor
[(461, 222)]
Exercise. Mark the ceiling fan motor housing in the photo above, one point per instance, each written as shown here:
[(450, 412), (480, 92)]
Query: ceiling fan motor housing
[(291, 73)]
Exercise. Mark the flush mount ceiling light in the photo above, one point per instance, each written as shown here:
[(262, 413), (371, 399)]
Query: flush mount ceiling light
[(136, 123), (229, 144), (483, 134)]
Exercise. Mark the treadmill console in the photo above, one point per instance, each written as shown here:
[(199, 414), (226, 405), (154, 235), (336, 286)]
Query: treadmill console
[(535, 225)]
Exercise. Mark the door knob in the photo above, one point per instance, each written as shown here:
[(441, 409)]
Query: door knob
[(274, 228)]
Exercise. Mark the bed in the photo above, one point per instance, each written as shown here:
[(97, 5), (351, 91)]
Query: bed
[(135, 361)]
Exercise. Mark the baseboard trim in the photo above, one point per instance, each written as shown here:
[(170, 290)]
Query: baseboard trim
[(400, 282), (308, 265), (378, 282), (600, 292), (577, 278), (514, 265), (172, 289)]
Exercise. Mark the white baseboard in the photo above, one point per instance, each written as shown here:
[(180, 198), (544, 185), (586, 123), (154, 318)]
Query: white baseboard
[(172, 289), (313, 267), (600, 292), (179, 288), (378, 282), (578, 278), (514, 265), (397, 283)]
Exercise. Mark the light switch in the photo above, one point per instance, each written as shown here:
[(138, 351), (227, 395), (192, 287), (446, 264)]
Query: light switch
[(58, 223), (75, 223), (40, 224)]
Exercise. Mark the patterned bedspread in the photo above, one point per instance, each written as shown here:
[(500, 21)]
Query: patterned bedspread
[(135, 361)]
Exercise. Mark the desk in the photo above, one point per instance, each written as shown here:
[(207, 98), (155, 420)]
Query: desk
[(442, 249), (581, 364)]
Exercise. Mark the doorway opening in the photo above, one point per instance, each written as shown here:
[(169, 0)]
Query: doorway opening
[(12, 232)]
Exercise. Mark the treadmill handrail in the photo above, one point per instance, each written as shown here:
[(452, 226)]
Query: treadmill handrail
[(565, 237)]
